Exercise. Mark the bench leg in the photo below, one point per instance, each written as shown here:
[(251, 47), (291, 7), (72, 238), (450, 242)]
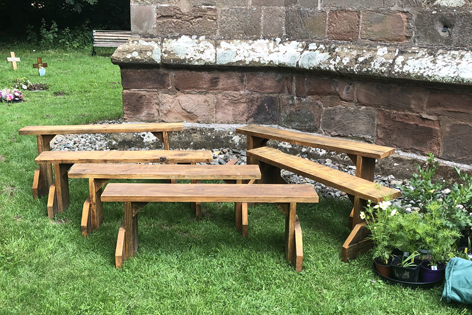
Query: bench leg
[(356, 243), (244, 219), (290, 231), (96, 207), (120, 252), (85, 224), (297, 260), (62, 186), (270, 174), (131, 227), (52, 202)]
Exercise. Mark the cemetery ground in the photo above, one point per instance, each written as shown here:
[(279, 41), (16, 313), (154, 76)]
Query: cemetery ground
[(183, 265)]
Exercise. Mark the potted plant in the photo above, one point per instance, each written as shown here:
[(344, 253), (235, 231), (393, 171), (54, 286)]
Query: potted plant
[(439, 241), (407, 267), (379, 218)]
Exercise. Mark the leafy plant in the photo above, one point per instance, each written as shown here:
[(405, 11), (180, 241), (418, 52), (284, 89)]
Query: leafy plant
[(409, 261)]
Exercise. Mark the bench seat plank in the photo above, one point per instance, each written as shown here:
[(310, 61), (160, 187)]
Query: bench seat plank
[(345, 182), (105, 128), (167, 171), (315, 141), (118, 192), (153, 156)]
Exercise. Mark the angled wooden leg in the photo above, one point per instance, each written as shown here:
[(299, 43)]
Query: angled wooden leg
[(244, 218), (43, 178), (297, 260), (120, 252), (85, 224), (52, 202), (62, 186), (290, 231), (36, 184), (356, 243)]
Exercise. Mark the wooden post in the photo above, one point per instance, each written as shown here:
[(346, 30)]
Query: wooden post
[(44, 179), (62, 186), (290, 231), (13, 60)]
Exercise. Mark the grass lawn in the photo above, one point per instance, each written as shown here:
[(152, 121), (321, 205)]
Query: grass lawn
[(183, 265)]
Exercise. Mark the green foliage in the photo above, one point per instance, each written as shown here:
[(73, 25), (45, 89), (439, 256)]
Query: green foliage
[(53, 36), (410, 260)]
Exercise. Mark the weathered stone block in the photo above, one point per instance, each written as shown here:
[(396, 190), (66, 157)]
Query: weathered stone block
[(188, 51), (197, 108), (348, 121), (274, 3), (353, 4), (408, 132), (145, 79), (392, 97), (305, 24), (240, 23), (345, 90), (343, 25), (138, 52), (267, 82), (208, 81), (457, 143), (140, 106), (246, 108), (310, 4), (273, 22), (386, 27), (455, 105), (143, 18), (444, 28), (172, 21), (301, 114)]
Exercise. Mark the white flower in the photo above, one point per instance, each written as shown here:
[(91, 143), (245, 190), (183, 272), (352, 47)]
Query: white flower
[(362, 215), (384, 205), (394, 211)]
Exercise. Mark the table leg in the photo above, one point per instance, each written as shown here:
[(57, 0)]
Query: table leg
[(43, 175), (96, 207), (131, 228), (290, 231)]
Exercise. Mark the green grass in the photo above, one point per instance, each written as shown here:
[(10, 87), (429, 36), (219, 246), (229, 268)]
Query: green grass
[(183, 265)]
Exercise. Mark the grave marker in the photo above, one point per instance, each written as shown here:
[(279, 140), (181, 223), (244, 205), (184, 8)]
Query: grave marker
[(13, 60), (40, 65)]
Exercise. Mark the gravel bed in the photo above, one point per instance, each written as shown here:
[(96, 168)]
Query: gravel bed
[(221, 156)]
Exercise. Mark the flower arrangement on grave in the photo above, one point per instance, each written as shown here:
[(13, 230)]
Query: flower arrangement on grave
[(8, 95)]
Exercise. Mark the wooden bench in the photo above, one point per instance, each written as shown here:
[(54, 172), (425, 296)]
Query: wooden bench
[(135, 196), (109, 38), (43, 175), (360, 187), (100, 174), (58, 199)]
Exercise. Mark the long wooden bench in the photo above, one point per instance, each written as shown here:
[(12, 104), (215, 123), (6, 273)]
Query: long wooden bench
[(135, 196), (360, 187), (109, 38), (43, 175), (58, 199), (99, 174)]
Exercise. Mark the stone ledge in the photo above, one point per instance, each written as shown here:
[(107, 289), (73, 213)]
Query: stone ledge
[(389, 62)]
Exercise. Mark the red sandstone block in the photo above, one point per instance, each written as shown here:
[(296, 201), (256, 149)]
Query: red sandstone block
[(386, 27), (208, 81), (246, 108), (308, 85), (409, 132), (178, 107), (343, 25), (145, 79), (140, 106), (457, 143), (305, 24), (456, 105), (240, 23), (392, 97), (264, 82), (172, 21), (300, 113)]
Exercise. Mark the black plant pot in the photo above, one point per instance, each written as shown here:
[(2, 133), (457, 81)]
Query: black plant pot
[(408, 274)]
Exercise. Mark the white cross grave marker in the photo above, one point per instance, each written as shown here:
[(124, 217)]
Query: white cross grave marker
[(13, 60)]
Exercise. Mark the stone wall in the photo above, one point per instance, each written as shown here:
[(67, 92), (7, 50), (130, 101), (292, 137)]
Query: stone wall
[(396, 73)]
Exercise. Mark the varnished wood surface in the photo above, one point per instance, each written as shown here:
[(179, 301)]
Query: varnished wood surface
[(154, 156), (105, 128), (345, 182), (315, 141), (209, 193), (165, 171)]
